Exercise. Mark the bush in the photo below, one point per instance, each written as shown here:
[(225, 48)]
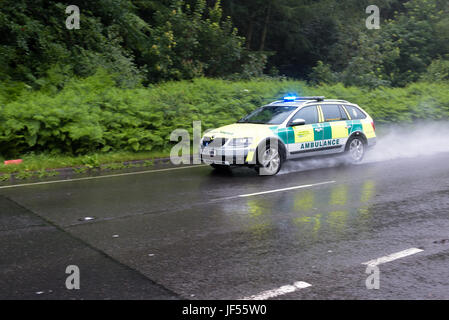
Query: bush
[(322, 73), (438, 70), (417, 101), (92, 114)]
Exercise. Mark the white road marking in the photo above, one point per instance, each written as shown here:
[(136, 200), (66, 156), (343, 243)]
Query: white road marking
[(100, 177), (279, 291), (284, 189), (393, 256)]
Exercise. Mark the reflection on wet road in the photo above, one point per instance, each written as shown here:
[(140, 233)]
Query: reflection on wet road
[(192, 233)]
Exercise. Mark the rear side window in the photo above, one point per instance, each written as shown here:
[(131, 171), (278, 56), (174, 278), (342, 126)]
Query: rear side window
[(344, 116), (331, 112), (355, 113), (310, 114)]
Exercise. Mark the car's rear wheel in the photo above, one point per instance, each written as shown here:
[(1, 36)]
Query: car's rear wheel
[(269, 160), (355, 150)]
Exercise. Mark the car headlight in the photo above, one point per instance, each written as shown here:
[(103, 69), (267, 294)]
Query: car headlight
[(241, 142)]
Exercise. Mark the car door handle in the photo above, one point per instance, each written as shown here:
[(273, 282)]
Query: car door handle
[(348, 127), (318, 129)]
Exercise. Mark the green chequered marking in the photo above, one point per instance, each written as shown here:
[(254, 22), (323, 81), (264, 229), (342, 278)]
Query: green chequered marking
[(287, 135), (349, 125), (318, 135), (327, 134), (356, 126)]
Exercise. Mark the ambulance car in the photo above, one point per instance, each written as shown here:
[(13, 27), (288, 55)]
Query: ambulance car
[(295, 127)]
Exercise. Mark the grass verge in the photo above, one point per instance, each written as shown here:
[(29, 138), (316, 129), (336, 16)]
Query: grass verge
[(45, 165)]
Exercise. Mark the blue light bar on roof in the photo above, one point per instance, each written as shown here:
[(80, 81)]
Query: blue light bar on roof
[(290, 98), (294, 98)]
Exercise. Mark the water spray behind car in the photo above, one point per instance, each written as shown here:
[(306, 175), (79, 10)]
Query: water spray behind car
[(410, 141), (420, 139)]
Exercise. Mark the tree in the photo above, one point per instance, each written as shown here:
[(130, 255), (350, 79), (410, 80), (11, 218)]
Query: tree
[(35, 40)]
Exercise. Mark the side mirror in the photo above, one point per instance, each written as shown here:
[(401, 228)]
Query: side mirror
[(298, 122)]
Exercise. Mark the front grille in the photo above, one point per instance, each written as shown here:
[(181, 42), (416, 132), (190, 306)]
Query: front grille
[(215, 143)]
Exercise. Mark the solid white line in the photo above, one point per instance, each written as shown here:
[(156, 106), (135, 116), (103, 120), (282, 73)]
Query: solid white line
[(284, 189), (279, 292), (393, 256), (100, 177)]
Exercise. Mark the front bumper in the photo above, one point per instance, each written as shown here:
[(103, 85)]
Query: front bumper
[(227, 156)]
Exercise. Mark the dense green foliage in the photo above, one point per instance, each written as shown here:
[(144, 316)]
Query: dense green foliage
[(417, 101), (92, 114), (149, 41), (327, 40), (406, 48)]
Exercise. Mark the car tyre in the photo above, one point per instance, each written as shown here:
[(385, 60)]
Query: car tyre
[(269, 160), (355, 150)]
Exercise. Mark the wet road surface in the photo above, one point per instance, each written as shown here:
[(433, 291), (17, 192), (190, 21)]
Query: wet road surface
[(196, 233)]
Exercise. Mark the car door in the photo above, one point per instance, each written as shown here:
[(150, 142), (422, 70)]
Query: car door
[(305, 136), (336, 128)]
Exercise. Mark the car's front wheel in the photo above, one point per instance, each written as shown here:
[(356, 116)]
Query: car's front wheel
[(269, 160), (355, 150)]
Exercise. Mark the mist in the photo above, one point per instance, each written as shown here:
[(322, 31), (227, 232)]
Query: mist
[(410, 141), (393, 142)]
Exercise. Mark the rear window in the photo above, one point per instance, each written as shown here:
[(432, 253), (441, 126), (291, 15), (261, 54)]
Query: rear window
[(355, 113)]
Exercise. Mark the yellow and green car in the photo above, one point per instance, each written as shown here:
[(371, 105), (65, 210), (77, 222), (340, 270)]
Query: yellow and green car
[(294, 127)]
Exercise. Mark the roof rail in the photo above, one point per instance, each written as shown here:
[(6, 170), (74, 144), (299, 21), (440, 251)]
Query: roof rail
[(316, 98), (335, 100), (309, 99)]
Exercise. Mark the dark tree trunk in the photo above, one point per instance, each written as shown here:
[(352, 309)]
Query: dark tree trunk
[(265, 27), (249, 34)]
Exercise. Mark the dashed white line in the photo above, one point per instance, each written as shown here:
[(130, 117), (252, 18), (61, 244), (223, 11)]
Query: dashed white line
[(279, 291), (393, 256), (99, 177)]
